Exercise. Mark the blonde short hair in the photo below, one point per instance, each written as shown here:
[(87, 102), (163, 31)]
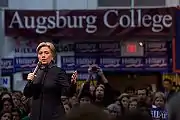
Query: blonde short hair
[(49, 45), (159, 94)]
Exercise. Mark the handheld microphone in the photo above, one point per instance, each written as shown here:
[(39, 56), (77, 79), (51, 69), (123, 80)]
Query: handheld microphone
[(37, 67), (35, 70)]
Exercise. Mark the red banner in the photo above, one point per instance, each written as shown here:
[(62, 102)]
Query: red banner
[(89, 23)]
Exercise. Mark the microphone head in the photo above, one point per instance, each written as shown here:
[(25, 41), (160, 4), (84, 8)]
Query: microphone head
[(39, 63)]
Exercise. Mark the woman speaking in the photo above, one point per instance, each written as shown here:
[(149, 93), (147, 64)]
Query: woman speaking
[(46, 85)]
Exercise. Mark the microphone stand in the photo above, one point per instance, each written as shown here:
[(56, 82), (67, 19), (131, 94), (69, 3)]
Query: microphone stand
[(42, 92)]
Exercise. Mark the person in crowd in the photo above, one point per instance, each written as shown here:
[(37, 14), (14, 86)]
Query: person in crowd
[(29, 106), (6, 105), (85, 98), (130, 91), (64, 99), (114, 111), (16, 101), (143, 97), (149, 90), (158, 110), (16, 114), (132, 105), (6, 116), (73, 101), (168, 91), (46, 86), (159, 100), (5, 95), (24, 106), (142, 94), (92, 89), (67, 108), (103, 93), (18, 94), (18, 104), (123, 100)]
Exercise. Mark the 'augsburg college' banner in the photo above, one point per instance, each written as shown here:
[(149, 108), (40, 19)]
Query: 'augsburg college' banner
[(89, 23)]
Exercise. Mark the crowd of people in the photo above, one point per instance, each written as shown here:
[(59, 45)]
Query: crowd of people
[(131, 102), (49, 95)]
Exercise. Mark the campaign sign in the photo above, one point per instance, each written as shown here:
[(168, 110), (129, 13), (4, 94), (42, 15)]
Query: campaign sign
[(132, 64), (156, 63), (25, 51), (86, 49), (158, 114), (109, 48), (83, 63), (7, 66), (68, 62), (63, 46), (84, 76), (156, 48), (25, 48), (25, 63), (5, 82), (110, 63)]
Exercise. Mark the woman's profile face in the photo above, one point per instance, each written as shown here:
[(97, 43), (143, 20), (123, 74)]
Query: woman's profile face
[(45, 55)]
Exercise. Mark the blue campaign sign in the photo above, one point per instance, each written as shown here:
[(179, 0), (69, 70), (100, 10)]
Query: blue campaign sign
[(156, 48), (68, 62), (5, 82), (83, 49), (156, 64), (132, 64), (83, 62), (110, 63), (7, 66), (24, 63), (158, 114), (109, 48), (176, 44)]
